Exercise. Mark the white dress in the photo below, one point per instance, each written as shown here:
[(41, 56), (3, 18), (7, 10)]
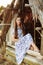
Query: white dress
[(22, 46)]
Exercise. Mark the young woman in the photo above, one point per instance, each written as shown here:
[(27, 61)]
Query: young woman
[(23, 41)]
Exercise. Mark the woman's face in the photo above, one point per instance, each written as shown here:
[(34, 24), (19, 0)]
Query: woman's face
[(26, 19), (18, 21)]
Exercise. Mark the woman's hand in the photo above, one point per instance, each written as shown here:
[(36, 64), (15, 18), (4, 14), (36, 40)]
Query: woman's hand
[(14, 40), (34, 47)]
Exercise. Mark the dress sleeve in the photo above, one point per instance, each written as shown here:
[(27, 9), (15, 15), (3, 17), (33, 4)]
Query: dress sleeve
[(29, 39)]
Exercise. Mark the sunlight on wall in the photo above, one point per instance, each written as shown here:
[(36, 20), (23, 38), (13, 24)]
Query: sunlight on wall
[(5, 2)]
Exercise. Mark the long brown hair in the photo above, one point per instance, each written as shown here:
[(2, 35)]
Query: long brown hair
[(27, 12), (15, 27)]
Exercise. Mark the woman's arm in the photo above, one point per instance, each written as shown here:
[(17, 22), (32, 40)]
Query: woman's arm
[(34, 47)]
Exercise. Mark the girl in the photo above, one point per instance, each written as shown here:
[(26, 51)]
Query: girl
[(23, 41)]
